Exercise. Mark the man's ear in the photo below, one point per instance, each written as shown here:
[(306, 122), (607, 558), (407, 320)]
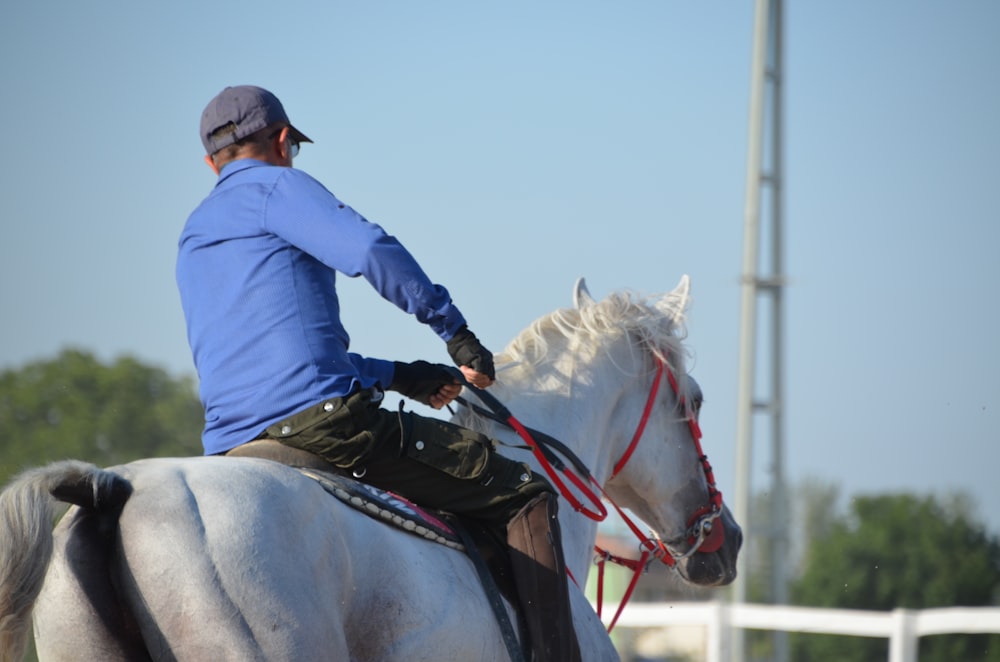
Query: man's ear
[(282, 147), (211, 164)]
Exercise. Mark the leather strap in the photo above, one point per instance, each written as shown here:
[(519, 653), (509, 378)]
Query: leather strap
[(492, 593)]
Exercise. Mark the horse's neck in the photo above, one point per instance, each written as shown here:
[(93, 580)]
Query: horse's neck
[(572, 400)]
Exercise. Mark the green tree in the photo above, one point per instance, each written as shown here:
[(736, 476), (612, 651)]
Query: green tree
[(900, 551), (76, 407)]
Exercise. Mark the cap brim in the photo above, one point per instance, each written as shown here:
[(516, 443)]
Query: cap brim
[(298, 135)]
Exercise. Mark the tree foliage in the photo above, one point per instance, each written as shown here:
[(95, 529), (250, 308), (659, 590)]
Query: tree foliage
[(900, 551), (76, 407)]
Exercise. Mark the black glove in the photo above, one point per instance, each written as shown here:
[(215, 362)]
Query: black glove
[(465, 349), (420, 380)]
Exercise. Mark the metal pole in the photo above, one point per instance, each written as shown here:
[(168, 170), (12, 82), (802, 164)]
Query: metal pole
[(748, 305), (779, 514)]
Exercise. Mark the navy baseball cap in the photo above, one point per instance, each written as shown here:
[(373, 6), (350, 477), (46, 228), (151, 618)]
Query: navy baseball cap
[(249, 109)]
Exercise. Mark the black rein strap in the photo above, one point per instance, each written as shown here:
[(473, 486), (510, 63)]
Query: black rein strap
[(499, 413)]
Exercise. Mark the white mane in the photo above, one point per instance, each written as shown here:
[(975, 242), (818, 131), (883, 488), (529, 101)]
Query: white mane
[(657, 323)]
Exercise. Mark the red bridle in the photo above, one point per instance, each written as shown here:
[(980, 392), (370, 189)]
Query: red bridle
[(703, 535)]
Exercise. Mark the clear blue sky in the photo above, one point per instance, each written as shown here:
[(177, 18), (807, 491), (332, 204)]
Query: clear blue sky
[(515, 146)]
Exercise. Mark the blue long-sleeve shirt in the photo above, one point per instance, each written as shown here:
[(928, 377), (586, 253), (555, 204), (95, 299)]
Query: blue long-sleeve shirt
[(256, 270)]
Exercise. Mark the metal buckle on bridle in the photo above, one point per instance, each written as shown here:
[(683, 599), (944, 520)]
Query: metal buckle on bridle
[(654, 549), (602, 556), (701, 530)]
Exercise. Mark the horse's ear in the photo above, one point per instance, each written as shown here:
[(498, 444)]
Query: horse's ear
[(581, 295), (676, 301), (683, 289)]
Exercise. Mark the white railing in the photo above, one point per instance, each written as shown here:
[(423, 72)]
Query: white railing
[(901, 626)]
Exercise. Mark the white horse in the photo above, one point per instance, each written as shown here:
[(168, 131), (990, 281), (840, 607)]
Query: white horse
[(246, 559)]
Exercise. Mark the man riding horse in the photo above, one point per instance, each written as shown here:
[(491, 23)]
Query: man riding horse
[(256, 270)]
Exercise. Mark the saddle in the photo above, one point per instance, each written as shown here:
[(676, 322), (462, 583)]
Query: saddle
[(380, 504)]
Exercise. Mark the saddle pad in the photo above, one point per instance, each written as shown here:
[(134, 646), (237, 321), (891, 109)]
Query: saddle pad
[(387, 507)]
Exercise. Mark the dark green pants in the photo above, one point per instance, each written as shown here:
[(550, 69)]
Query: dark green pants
[(431, 462)]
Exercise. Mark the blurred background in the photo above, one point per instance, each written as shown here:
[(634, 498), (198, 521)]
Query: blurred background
[(514, 147)]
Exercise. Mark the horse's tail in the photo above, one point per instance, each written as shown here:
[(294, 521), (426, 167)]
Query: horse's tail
[(27, 514)]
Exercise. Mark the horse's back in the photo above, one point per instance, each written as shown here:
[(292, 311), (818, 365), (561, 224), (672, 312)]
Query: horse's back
[(244, 559)]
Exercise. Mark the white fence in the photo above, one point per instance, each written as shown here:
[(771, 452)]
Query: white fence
[(902, 626)]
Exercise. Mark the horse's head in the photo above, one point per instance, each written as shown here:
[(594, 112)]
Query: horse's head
[(659, 469), (609, 378)]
